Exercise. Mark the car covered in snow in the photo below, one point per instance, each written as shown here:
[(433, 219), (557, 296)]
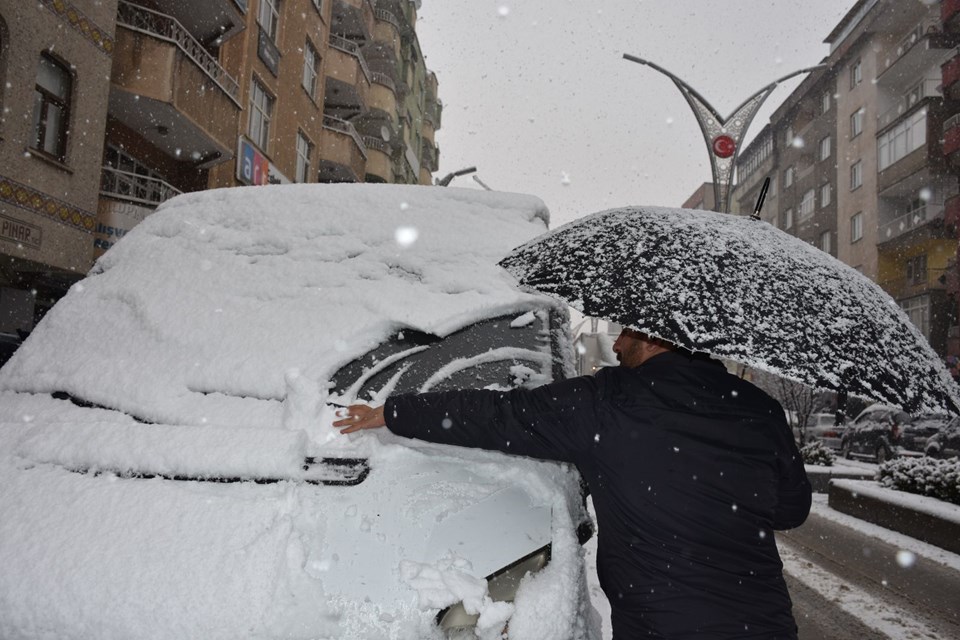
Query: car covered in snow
[(946, 442), (881, 432), (166, 449)]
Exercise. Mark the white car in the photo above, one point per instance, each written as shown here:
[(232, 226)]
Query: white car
[(168, 465)]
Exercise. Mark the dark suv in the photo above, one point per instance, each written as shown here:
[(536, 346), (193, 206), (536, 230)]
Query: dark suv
[(874, 434)]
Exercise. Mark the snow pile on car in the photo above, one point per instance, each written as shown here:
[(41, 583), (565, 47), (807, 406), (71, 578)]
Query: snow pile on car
[(218, 320), (205, 307)]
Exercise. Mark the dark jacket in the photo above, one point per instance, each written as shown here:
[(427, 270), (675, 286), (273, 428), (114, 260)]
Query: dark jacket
[(690, 468)]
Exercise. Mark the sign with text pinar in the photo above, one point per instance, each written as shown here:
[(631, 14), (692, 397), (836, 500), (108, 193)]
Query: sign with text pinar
[(252, 166)]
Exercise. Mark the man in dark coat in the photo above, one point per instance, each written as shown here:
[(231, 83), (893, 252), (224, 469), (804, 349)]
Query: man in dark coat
[(691, 470)]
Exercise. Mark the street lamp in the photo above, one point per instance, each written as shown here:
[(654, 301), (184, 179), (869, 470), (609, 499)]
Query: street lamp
[(722, 135), (450, 176)]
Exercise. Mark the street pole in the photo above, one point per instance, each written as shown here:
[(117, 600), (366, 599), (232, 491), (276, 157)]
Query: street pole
[(722, 135), (450, 176)]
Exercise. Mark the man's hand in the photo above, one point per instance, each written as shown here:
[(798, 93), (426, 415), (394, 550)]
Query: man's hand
[(360, 416)]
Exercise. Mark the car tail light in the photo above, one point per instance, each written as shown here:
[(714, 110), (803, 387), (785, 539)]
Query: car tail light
[(831, 434)]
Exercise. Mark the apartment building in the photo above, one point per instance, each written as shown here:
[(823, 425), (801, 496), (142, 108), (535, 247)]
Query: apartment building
[(757, 163), (805, 126), (893, 180), (111, 107), (55, 59), (864, 157)]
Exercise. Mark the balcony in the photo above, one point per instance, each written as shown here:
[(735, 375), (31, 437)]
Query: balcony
[(951, 136), (917, 52), (133, 187), (353, 19), (950, 76), (166, 87), (379, 162), (928, 88), (348, 76), (386, 31), (383, 94), (908, 287), (949, 11), (343, 156), (212, 22), (429, 157), (951, 215), (916, 219)]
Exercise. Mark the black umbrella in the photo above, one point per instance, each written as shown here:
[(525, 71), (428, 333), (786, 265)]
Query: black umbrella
[(738, 288)]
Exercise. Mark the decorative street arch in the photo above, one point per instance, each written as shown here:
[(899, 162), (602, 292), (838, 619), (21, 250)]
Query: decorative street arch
[(722, 135)]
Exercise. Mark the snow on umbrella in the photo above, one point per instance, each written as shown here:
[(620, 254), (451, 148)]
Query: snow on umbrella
[(738, 288)]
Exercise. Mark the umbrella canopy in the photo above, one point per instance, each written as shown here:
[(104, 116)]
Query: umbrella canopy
[(738, 288)]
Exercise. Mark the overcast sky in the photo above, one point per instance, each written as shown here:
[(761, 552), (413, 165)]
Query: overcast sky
[(538, 97)]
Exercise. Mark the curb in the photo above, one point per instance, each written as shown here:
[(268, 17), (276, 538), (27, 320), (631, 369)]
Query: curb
[(845, 498), (820, 482)]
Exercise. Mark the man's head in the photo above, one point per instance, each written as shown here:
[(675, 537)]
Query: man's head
[(634, 348)]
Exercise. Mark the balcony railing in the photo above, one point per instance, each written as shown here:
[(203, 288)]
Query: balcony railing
[(134, 187), (913, 220), (951, 135), (377, 144), (386, 16), (929, 87), (337, 124), (164, 27), (384, 79), (908, 42), (347, 46)]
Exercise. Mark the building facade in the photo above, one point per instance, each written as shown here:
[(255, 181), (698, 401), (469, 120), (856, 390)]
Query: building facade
[(861, 157), (110, 107)]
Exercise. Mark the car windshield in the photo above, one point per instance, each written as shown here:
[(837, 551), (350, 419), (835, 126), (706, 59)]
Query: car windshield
[(497, 353)]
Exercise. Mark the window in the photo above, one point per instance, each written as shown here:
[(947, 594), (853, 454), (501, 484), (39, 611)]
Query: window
[(918, 310), (856, 175), (51, 108), (788, 177), (856, 123), (788, 136), (856, 73), (826, 195), (856, 227), (807, 204), (825, 242), (825, 149), (917, 269), (902, 140), (304, 151), (788, 218), (269, 18), (261, 109), (311, 63), (825, 102)]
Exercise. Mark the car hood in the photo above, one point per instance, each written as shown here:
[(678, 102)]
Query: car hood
[(99, 555)]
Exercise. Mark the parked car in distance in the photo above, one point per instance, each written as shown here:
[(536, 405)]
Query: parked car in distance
[(946, 442), (874, 434), (820, 426), (881, 432), (918, 431)]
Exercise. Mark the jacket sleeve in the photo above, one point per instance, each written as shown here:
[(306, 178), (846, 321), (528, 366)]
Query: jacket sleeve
[(552, 422), (794, 493)]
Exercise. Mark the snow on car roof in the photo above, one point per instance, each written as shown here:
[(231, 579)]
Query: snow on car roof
[(223, 293)]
